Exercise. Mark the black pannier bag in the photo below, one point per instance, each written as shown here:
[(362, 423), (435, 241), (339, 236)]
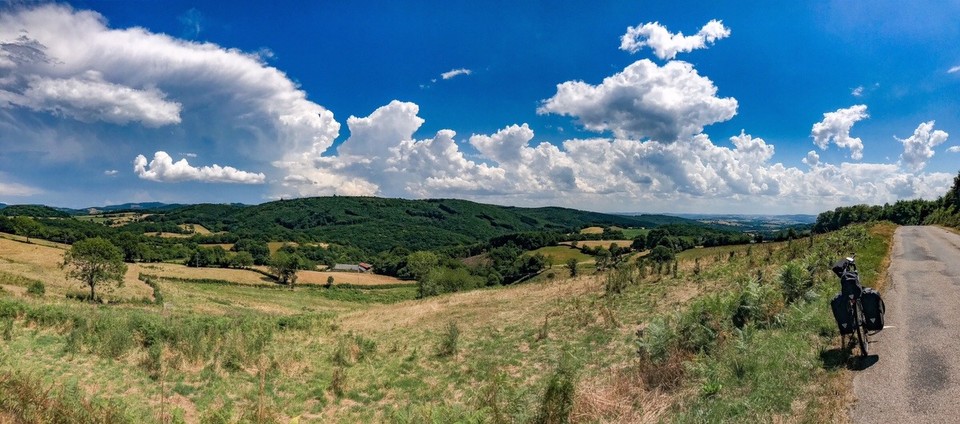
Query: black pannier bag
[(873, 309), (850, 284), (842, 314)]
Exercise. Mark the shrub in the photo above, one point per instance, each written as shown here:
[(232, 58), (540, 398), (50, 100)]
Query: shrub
[(447, 280), (757, 303), (657, 341), (557, 401), (449, 341), (8, 328), (795, 281), (36, 288), (618, 279)]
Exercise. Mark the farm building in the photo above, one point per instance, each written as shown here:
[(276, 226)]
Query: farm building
[(361, 267)]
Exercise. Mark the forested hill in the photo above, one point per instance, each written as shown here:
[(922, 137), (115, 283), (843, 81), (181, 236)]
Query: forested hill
[(371, 222), (37, 211)]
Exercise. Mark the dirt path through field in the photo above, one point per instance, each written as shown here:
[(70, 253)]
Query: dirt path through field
[(914, 375)]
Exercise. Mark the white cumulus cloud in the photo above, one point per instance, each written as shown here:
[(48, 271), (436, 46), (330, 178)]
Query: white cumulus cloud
[(64, 74), (663, 103), (835, 128), (163, 169), (918, 148), (667, 45), (812, 159), (455, 72)]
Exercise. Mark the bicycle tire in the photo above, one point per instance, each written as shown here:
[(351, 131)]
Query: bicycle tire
[(861, 332)]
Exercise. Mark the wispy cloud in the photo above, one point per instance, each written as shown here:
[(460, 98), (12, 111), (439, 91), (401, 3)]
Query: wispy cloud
[(455, 72), (954, 69), (111, 172), (954, 149), (191, 21), (857, 92)]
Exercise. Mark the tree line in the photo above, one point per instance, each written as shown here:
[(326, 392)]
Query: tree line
[(945, 210)]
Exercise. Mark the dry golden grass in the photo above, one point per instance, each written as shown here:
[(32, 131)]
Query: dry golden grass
[(592, 230), (196, 228), (41, 262), (240, 276), (170, 235), (477, 308), (620, 397), (245, 276), (354, 278), (225, 246)]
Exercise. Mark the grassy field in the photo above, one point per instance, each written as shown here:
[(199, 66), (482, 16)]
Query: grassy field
[(717, 342), (21, 263), (592, 230), (561, 254), (116, 219), (632, 233)]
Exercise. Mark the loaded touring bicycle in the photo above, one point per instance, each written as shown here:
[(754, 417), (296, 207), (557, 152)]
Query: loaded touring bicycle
[(858, 310)]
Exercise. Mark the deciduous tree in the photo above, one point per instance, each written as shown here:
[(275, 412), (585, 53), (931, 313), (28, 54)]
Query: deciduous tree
[(95, 261)]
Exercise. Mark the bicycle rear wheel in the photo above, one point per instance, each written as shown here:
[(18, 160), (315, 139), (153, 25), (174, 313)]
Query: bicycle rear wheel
[(861, 332)]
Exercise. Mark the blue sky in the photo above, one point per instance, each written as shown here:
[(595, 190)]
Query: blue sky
[(757, 107)]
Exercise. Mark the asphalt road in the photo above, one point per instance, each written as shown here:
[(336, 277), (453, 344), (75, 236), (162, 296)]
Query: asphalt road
[(915, 375)]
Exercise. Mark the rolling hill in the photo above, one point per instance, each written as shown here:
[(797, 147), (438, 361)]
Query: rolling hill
[(370, 222)]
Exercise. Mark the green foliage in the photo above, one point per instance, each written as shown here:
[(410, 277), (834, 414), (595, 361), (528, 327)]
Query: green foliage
[(35, 211), (24, 399), (449, 343), (366, 222), (94, 261), (572, 265), (27, 227), (420, 264), (618, 279), (662, 254), (284, 266), (557, 401), (37, 289), (447, 280), (658, 340), (795, 281)]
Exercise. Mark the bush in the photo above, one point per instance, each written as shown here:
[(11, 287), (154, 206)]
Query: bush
[(449, 341), (36, 288), (758, 304), (618, 279), (795, 281), (657, 341), (557, 401), (447, 280)]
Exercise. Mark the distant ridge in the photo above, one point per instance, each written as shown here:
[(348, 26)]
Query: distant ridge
[(126, 207), (367, 222)]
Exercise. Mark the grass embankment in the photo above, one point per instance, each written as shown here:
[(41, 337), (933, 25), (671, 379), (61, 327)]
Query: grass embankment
[(719, 344), (755, 355)]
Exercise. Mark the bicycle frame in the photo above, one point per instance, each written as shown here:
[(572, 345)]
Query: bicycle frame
[(859, 331)]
